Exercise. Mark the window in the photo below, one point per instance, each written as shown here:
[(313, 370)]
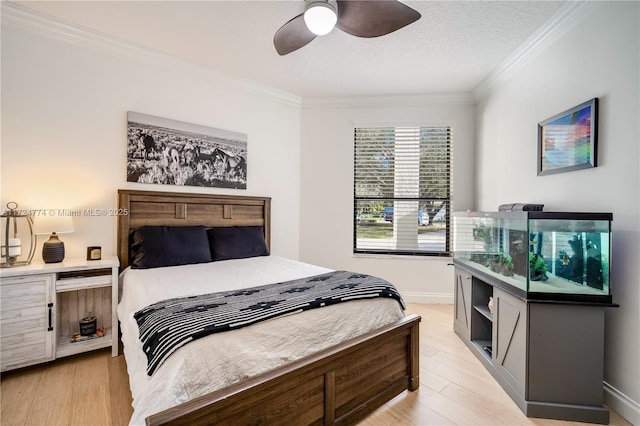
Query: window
[(402, 190)]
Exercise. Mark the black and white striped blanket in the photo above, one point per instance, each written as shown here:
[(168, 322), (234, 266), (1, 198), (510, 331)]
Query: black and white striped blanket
[(170, 324)]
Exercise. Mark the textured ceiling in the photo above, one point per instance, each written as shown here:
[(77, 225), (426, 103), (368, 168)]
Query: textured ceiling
[(450, 49)]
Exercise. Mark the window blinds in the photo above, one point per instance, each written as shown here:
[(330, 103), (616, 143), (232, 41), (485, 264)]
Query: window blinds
[(402, 190)]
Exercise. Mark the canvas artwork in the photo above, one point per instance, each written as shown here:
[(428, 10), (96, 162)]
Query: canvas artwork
[(568, 141), (171, 152)]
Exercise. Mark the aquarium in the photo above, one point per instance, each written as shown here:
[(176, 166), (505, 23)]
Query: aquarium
[(539, 253)]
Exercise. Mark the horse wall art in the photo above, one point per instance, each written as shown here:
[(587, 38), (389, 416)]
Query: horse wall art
[(172, 152)]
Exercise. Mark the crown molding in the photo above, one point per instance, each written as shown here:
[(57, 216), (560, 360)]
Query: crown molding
[(561, 22), (19, 16), (419, 100)]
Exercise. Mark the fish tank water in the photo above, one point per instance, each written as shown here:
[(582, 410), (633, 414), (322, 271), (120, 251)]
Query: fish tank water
[(544, 254)]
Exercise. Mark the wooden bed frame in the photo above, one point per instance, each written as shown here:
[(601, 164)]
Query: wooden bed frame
[(339, 385)]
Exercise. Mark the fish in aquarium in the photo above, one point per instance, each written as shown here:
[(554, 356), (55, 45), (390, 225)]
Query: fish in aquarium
[(571, 266)]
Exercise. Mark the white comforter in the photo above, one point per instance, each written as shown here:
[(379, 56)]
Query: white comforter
[(221, 359)]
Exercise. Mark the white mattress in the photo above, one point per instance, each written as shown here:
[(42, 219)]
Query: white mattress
[(221, 359)]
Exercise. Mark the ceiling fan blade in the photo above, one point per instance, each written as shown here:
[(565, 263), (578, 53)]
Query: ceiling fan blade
[(374, 18), (292, 36)]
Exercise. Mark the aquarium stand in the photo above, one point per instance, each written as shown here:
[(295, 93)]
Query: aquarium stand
[(548, 355)]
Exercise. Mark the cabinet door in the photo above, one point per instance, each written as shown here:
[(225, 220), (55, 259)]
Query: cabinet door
[(566, 354), (462, 302), (510, 339), (26, 326)]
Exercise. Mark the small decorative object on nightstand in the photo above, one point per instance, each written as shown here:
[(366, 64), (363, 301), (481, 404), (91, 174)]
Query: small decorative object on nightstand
[(94, 253), (88, 325), (53, 248)]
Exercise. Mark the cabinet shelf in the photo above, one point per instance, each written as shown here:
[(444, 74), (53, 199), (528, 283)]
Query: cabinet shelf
[(484, 311), (481, 317), (65, 347), (72, 284), (482, 345)]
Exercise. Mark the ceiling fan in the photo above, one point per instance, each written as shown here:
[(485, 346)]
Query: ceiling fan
[(360, 18)]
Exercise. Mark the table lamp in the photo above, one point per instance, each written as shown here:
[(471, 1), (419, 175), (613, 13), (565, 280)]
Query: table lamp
[(16, 225), (53, 248)]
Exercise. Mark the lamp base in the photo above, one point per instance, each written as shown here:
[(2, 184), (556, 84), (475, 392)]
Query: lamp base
[(14, 264), (53, 250)]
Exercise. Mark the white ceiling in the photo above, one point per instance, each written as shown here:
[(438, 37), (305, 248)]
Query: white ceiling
[(450, 49)]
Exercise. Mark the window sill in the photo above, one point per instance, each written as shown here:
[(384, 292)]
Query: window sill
[(405, 257)]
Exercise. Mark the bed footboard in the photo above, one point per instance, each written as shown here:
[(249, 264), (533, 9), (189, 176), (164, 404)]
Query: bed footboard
[(339, 385)]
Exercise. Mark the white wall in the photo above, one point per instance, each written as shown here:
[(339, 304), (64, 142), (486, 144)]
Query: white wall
[(65, 98), (598, 57), (327, 184)]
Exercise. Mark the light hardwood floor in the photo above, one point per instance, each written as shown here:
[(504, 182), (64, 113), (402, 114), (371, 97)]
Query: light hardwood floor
[(93, 388)]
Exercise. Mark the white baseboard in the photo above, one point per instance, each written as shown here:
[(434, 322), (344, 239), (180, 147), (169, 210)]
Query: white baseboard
[(622, 404), (428, 298)]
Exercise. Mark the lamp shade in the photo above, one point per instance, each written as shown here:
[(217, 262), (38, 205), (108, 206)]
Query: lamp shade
[(53, 248), (51, 224)]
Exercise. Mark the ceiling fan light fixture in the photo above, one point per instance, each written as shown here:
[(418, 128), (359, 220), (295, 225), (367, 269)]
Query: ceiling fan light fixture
[(320, 17)]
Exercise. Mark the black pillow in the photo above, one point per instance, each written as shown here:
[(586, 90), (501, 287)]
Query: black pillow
[(156, 246), (237, 242)]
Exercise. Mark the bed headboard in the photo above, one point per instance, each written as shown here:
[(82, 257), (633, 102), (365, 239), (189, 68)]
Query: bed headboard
[(185, 209)]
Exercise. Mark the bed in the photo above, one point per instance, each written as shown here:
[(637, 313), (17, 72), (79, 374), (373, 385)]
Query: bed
[(300, 368)]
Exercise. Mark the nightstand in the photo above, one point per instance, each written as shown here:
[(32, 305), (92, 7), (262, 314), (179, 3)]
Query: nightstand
[(42, 305)]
